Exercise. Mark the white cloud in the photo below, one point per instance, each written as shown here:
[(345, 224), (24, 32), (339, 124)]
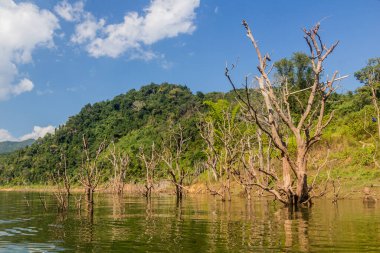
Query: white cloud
[(146, 55), (166, 64), (23, 86), (38, 132), (69, 12), (88, 29), (5, 136), (23, 27), (168, 18), (161, 19), (44, 92)]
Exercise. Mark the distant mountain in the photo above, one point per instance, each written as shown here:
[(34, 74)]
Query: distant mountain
[(10, 146)]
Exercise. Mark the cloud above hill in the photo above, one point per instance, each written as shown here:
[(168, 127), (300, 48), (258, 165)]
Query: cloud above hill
[(160, 20), (38, 132)]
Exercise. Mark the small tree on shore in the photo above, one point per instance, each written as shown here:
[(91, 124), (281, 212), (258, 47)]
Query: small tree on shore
[(221, 132), (90, 173), (255, 165), (63, 174), (120, 162), (62, 180), (172, 157), (149, 162)]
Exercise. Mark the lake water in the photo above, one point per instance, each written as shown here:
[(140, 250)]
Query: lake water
[(198, 224)]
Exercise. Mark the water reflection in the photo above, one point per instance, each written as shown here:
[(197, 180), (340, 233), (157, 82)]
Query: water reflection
[(296, 223), (197, 224)]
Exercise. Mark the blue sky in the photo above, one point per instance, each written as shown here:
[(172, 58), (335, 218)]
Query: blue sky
[(56, 56)]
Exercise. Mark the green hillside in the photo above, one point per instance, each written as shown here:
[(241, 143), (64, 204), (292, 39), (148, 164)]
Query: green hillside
[(131, 120), (10, 146), (140, 117)]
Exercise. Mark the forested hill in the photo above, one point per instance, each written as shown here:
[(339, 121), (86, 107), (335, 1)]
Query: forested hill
[(142, 117), (131, 120), (10, 146)]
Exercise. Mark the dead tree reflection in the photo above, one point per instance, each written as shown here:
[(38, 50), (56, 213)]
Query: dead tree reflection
[(296, 228)]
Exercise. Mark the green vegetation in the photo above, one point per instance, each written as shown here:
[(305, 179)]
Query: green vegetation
[(10, 146), (132, 120), (139, 118)]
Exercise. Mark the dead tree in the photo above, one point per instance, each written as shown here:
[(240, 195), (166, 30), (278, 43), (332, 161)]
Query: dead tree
[(90, 173), (120, 162), (43, 202), (279, 123), (222, 136), (62, 199), (255, 165), (61, 193), (62, 181), (172, 156), (66, 179), (149, 162), (207, 132), (246, 173)]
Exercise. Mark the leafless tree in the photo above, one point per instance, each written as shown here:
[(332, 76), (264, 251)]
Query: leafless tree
[(207, 132), (43, 202), (255, 168), (62, 199), (279, 122), (223, 150), (67, 180), (120, 162), (62, 180), (149, 161), (60, 193), (90, 173), (172, 156)]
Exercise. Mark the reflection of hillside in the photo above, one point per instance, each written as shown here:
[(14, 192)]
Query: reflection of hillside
[(198, 224)]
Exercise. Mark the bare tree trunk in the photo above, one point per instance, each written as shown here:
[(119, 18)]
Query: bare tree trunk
[(248, 192), (302, 191), (261, 155), (90, 195), (148, 192), (215, 174), (178, 190), (261, 152), (90, 173), (120, 162), (287, 180), (149, 162), (228, 186)]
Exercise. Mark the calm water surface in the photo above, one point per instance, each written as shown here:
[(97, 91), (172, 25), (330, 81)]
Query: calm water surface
[(199, 224)]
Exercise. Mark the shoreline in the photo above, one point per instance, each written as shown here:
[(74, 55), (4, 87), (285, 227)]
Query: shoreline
[(163, 188)]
